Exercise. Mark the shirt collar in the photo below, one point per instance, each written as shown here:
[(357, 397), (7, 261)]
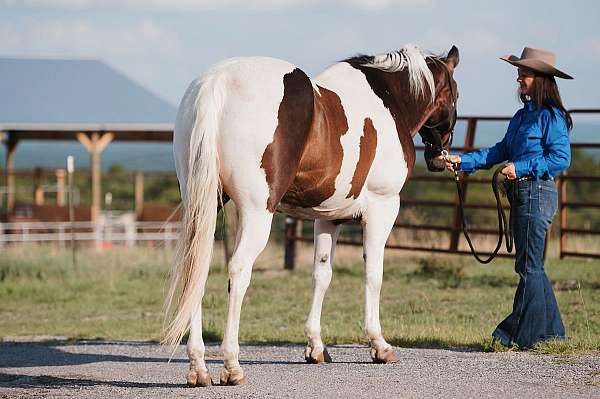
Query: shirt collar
[(530, 105)]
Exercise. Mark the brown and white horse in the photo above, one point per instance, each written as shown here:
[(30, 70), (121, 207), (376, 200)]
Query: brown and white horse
[(337, 147)]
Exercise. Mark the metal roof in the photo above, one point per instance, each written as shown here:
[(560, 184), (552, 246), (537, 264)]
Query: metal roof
[(52, 91), (68, 131)]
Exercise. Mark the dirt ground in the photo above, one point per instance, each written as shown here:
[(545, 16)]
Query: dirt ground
[(101, 369)]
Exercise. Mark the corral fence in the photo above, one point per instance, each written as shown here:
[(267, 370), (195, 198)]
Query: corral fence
[(109, 231), (98, 234), (293, 229)]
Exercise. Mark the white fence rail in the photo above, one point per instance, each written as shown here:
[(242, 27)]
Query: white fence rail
[(127, 233)]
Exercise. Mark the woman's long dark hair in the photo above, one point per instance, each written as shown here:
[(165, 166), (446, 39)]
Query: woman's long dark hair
[(546, 94)]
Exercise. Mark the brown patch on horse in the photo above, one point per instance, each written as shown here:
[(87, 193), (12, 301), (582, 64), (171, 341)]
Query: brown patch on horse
[(282, 156), (321, 161), (407, 111), (368, 145)]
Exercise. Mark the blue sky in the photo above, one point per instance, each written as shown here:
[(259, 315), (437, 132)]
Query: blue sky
[(165, 44)]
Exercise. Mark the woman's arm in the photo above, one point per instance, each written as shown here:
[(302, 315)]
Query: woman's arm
[(484, 158), (488, 157)]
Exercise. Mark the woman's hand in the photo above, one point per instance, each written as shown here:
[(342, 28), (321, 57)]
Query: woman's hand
[(509, 171), (452, 161)]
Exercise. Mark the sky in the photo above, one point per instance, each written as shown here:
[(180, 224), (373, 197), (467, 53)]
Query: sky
[(165, 44)]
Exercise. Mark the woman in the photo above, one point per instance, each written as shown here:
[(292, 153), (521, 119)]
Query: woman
[(536, 147)]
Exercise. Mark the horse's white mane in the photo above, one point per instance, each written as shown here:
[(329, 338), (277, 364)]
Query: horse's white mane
[(411, 57)]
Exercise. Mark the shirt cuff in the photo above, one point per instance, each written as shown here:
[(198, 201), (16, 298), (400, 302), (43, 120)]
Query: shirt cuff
[(466, 164), (521, 168)]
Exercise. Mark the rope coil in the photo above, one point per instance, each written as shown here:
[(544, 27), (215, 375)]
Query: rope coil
[(505, 227)]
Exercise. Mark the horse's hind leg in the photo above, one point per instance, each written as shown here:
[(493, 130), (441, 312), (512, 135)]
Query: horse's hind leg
[(326, 234), (198, 374), (254, 226), (378, 220)]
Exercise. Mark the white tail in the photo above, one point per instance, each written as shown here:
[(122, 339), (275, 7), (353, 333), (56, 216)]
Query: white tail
[(200, 199)]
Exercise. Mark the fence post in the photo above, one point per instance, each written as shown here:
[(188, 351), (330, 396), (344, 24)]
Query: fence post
[(61, 236), (60, 187), (38, 191), (456, 219), (289, 260), (11, 147), (138, 189), (562, 209)]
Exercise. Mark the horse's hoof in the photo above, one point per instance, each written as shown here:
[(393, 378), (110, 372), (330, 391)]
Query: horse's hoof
[(313, 357), (232, 377), (388, 355), (198, 378)]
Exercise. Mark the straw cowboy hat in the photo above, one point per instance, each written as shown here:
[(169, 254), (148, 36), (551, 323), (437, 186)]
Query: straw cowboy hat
[(538, 60)]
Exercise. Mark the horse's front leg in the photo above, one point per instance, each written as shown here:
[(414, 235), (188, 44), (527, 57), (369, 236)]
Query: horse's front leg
[(326, 234), (377, 221), (253, 232)]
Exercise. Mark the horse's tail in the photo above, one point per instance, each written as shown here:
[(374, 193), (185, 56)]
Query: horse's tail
[(200, 199)]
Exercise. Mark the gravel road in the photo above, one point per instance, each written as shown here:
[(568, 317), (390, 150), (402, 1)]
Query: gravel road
[(107, 369)]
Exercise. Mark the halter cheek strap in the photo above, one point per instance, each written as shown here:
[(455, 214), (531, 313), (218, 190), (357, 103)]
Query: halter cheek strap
[(439, 147)]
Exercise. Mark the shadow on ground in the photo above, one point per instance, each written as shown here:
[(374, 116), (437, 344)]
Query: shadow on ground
[(27, 354), (45, 381)]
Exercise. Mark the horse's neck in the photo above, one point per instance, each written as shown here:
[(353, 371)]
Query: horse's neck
[(408, 110), (392, 89)]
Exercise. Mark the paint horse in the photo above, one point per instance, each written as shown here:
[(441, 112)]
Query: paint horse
[(338, 147)]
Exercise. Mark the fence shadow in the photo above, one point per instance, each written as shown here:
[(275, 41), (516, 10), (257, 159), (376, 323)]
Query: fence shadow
[(27, 354)]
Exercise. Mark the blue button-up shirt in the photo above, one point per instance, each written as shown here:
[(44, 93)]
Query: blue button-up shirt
[(536, 142)]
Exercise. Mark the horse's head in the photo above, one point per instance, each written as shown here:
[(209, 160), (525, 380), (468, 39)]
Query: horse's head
[(438, 129)]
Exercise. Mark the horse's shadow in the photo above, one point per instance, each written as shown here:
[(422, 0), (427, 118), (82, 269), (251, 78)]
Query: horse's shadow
[(25, 355)]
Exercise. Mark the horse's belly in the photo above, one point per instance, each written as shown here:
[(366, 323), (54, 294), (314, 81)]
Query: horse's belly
[(346, 209)]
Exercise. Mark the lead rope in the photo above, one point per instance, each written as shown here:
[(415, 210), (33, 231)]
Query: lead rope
[(505, 229)]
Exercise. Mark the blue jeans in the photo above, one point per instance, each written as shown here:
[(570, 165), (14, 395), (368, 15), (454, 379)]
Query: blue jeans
[(535, 316)]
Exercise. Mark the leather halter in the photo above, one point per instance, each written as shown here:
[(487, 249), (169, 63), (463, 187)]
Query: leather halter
[(438, 147)]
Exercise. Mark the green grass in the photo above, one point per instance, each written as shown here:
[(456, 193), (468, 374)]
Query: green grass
[(426, 301)]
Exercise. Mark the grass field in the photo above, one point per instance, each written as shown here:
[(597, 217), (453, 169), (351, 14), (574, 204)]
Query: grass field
[(427, 301)]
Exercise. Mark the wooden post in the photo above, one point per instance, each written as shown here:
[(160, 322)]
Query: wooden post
[(11, 146), (95, 144), (71, 172), (456, 219), (38, 192), (60, 187), (562, 209), (291, 232), (226, 249), (138, 189)]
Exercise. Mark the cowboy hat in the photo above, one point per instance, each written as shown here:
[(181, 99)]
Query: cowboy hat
[(538, 60)]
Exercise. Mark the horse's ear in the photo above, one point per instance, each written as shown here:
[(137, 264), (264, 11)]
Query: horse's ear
[(453, 57)]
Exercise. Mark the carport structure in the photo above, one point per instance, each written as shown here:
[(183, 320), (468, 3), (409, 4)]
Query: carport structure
[(83, 100)]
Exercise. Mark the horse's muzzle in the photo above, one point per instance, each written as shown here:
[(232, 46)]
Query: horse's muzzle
[(435, 164)]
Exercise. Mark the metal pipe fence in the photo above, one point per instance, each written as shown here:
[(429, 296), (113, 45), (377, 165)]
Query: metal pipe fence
[(294, 232)]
